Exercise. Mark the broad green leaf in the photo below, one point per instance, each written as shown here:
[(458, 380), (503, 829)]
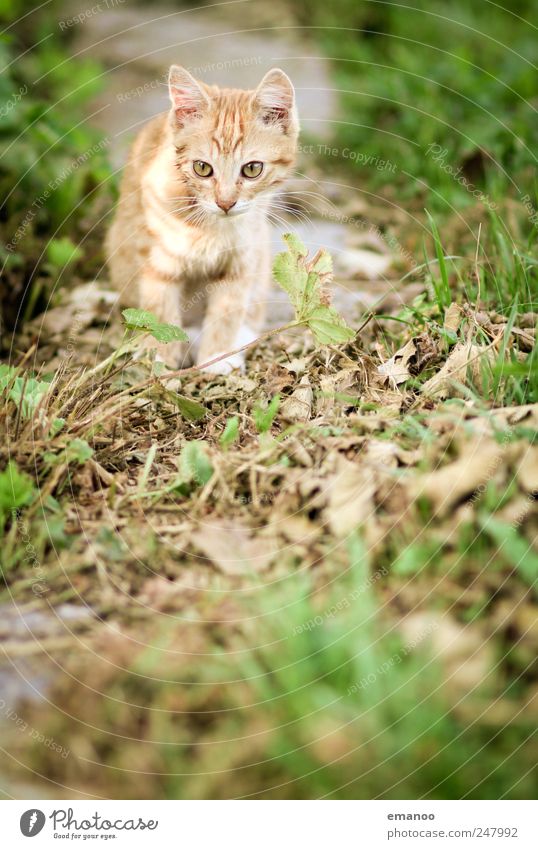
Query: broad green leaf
[(56, 426), (195, 465), (295, 245), (265, 416), (78, 451), (144, 320), (168, 333), (230, 432), (328, 327), (139, 319), (24, 391), (191, 410), (291, 278), (16, 490), (514, 547), (305, 281), (62, 252), (6, 375)]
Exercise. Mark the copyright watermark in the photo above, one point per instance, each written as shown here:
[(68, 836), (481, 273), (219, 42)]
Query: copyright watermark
[(81, 17)]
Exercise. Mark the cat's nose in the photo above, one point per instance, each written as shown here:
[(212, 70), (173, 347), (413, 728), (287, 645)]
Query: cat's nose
[(226, 205)]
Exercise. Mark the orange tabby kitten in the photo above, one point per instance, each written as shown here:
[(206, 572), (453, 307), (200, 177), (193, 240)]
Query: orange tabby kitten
[(190, 238)]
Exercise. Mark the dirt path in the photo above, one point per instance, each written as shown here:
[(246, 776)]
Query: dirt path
[(232, 44)]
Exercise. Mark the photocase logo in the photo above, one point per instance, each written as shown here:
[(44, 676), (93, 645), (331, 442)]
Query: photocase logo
[(32, 822)]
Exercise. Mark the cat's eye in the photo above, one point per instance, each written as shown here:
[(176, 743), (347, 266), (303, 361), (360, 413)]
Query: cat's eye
[(252, 169), (203, 169)]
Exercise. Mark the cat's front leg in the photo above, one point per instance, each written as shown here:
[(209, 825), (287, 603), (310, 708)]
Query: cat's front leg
[(226, 325), (161, 295)]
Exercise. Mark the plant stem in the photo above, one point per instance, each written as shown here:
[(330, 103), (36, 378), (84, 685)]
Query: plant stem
[(138, 388), (267, 335), (124, 348)]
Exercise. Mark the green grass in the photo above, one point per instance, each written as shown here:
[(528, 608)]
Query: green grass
[(460, 77), (53, 166)]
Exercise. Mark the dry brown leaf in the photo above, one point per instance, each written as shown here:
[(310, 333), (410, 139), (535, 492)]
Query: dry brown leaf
[(379, 420), (234, 549), (453, 317), (464, 356), (397, 368), (160, 593), (525, 338), (527, 469), (410, 457), (528, 319), (494, 420), (390, 454), (500, 712), (298, 365), (297, 451), (464, 653), (525, 412), (382, 452), (332, 386), (298, 406), (329, 742), (298, 529), (240, 383), (516, 511), (350, 491), (481, 457)]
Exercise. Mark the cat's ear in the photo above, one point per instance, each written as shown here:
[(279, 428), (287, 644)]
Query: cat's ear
[(189, 100), (275, 99)]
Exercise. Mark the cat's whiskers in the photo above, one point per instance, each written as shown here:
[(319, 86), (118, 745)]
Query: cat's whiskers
[(280, 203), (179, 209), (279, 221), (293, 213), (309, 180), (197, 216), (305, 197), (303, 176)]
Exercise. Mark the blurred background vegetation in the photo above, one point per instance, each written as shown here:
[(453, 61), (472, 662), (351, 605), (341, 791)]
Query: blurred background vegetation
[(53, 169), (461, 75)]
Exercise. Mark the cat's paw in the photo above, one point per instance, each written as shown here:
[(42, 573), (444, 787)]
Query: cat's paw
[(225, 366)]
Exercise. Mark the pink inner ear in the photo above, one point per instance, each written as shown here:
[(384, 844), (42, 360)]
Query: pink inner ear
[(275, 102), (184, 103), (272, 114)]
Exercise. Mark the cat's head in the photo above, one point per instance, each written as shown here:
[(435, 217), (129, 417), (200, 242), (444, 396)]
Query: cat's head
[(233, 147)]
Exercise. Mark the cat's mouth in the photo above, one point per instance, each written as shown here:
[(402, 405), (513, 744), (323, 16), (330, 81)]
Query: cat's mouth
[(234, 212), (214, 211)]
